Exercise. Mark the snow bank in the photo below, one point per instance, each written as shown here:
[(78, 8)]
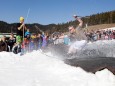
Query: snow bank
[(38, 69)]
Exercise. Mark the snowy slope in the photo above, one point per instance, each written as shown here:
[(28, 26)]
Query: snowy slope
[(37, 69)]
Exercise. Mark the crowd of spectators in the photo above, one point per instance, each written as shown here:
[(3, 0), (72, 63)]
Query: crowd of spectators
[(101, 35), (33, 41)]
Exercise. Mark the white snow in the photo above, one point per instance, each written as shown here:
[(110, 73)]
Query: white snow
[(38, 69), (112, 28)]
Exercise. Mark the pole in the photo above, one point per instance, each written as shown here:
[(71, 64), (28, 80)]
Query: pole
[(24, 28), (39, 29), (27, 14)]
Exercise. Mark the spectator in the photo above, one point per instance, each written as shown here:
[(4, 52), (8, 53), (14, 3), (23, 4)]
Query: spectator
[(114, 34), (106, 37), (3, 44), (39, 40), (11, 41), (27, 41), (44, 43), (31, 45), (27, 33)]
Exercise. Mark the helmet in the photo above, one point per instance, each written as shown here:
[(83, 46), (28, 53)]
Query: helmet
[(21, 18)]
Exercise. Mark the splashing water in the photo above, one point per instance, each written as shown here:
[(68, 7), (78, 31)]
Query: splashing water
[(101, 48), (105, 48)]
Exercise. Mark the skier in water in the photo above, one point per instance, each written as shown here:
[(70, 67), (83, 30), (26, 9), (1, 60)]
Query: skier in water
[(77, 37)]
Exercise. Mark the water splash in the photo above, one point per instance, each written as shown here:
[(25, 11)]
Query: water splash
[(101, 48)]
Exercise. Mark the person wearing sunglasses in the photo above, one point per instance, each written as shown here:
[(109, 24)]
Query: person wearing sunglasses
[(77, 37), (76, 33)]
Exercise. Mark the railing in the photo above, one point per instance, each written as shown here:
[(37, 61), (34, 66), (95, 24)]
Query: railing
[(6, 34)]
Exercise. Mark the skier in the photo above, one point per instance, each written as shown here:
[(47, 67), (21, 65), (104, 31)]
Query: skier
[(77, 37)]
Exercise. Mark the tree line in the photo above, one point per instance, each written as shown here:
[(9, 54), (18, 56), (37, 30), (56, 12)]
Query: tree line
[(95, 19)]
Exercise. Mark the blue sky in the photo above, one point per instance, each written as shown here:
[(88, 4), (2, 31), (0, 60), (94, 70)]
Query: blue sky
[(51, 11)]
